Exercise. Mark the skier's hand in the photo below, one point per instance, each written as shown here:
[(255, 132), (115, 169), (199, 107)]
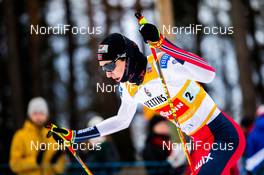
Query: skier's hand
[(150, 33), (61, 135)]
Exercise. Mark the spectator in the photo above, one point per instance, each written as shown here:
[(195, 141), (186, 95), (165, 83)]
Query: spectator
[(247, 124), (255, 145), (158, 133), (25, 157)]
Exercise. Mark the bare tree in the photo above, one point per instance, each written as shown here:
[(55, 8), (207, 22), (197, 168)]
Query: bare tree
[(13, 65), (71, 90), (34, 47), (166, 15), (243, 58), (256, 50)]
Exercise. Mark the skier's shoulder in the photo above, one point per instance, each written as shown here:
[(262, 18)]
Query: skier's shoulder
[(164, 60)]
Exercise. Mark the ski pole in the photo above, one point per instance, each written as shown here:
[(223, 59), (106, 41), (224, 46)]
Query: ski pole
[(69, 147), (142, 20)]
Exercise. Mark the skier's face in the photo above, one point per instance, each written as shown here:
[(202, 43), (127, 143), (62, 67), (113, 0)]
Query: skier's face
[(118, 71)]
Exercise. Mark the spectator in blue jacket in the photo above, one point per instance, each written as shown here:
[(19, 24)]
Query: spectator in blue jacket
[(255, 145)]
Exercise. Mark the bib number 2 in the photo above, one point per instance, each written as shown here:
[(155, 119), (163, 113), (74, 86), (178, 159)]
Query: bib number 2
[(190, 92), (189, 96)]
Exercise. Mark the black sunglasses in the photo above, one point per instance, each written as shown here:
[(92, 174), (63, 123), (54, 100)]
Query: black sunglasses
[(109, 67)]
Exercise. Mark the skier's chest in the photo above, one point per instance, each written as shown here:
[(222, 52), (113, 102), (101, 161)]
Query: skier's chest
[(152, 93)]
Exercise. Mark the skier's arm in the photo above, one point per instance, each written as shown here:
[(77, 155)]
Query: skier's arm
[(188, 70), (201, 71), (111, 125), (119, 122)]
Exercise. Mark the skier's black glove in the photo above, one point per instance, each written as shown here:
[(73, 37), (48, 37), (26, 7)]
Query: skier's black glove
[(40, 156), (150, 33), (60, 134)]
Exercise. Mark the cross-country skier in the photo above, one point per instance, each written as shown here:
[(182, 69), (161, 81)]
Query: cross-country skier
[(218, 140)]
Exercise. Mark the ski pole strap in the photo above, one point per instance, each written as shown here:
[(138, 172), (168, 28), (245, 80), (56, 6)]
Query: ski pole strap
[(85, 134)]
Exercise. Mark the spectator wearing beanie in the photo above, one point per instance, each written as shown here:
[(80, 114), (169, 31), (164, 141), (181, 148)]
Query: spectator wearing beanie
[(25, 157)]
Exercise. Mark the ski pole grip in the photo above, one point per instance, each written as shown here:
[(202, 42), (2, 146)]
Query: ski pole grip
[(141, 19)]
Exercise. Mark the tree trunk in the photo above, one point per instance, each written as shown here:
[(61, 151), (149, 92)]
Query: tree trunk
[(71, 90), (13, 65), (166, 16), (256, 52), (243, 58), (34, 48), (195, 9)]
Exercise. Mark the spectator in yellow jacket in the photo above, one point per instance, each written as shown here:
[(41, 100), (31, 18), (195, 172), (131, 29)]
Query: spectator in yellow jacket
[(32, 153)]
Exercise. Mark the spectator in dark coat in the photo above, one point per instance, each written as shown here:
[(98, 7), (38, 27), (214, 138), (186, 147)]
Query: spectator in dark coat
[(158, 133), (255, 145)]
